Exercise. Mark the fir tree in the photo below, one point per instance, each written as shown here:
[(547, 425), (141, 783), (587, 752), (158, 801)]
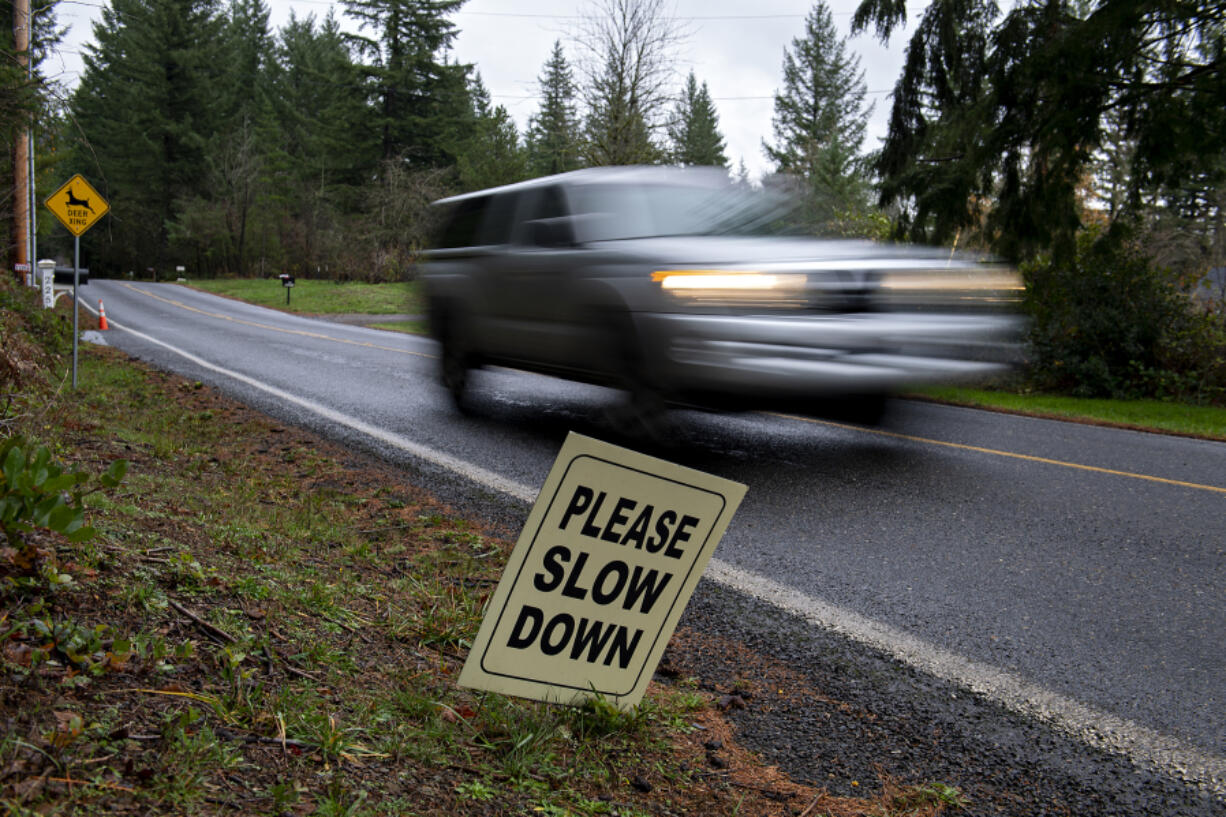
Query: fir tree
[(694, 131), (250, 45), (325, 145), (820, 120), (1012, 110), (492, 155), (554, 136), (148, 105), (420, 96)]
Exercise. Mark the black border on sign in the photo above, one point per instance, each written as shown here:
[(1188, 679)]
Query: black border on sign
[(676, 596)]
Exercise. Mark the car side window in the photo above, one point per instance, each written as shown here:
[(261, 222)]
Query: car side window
[(496, 228), (542, 204), (464, 221)]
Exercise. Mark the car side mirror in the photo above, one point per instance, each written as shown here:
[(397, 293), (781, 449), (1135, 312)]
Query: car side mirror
[(552, 232)]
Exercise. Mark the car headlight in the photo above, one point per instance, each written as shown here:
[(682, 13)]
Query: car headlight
[(729, 286), (951, 287)]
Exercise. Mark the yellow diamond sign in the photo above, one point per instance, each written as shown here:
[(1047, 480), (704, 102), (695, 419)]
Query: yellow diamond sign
[(77, 205)]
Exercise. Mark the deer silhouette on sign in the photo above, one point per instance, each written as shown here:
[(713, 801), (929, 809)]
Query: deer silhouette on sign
[(73, 201)]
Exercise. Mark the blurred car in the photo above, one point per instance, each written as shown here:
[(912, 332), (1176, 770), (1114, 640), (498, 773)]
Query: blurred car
[(677, 286)]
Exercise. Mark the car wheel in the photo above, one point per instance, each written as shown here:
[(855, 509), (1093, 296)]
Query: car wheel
[(643, 413), (455, 361)]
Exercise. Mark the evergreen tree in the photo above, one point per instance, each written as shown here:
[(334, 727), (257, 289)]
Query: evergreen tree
[(820, 120), (249, 42), (214, 222), (1013, 110), (148, 105), (321, 127), (554, 136), (492, 155), (420, 97), (694, 131), (325, 146)]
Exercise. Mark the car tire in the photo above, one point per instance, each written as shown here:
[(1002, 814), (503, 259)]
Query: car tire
[(643, 412), (455, 359)]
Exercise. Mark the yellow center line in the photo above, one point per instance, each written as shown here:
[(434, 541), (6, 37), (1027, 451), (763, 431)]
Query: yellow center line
[(299, 332), (1010, 454)]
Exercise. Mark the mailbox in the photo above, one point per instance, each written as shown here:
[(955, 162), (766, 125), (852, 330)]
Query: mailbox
[(287, 280)]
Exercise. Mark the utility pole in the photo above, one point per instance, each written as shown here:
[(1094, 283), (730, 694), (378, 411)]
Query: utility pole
[(21, 150)]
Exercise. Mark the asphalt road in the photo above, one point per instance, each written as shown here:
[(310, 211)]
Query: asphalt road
[(1068, 574)]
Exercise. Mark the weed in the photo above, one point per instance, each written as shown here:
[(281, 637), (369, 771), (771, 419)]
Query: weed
[(475, 790), (521, 736), (918, 798)]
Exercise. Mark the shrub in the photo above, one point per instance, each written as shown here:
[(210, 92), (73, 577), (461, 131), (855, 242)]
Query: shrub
[(1109, 323), (34, 340)]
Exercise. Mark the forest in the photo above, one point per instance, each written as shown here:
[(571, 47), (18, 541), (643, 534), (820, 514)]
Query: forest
[(1082, 140)]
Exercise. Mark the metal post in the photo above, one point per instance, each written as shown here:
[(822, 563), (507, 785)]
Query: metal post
[(31, 209), (76, 288)]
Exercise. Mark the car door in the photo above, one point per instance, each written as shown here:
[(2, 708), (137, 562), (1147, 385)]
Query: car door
[(539, 315)]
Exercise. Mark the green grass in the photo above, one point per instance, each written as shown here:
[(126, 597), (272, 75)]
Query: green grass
[(419, 327), (1154, 415), (310, 296)]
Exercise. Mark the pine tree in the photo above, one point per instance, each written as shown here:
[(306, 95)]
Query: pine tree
[(148, 104), (249, 42), (1012, 110), (694, 131), (320, 122), (492, 155), (554, 136), (324, 144), (419, 95), (820, 120)]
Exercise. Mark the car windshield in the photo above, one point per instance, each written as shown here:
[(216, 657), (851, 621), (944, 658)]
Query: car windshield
[(605, 212)]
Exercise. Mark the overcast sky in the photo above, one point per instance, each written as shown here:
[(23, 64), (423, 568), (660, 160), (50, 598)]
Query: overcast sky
[(736, 47)]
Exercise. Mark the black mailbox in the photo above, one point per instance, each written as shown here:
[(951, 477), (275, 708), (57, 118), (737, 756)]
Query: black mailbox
[(287, 280), (63, 276)]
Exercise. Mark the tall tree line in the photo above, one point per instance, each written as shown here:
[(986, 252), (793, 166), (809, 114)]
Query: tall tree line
[(227, 147)]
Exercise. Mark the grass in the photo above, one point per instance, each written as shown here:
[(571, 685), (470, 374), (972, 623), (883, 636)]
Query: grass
[(316, 297), (265, 626), (1153, 415)]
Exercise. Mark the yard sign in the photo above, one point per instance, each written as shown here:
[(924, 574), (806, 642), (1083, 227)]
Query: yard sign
[(604, 567)]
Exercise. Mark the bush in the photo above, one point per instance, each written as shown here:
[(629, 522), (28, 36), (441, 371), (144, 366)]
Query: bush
[(33, 342), (1111, 324)]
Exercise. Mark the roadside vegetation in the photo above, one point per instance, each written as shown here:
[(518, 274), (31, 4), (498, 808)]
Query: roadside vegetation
[(314, 296), (207, 612), (1166, 416)]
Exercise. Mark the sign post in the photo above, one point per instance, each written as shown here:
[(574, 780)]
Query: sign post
[(602, 571), (78, 206)]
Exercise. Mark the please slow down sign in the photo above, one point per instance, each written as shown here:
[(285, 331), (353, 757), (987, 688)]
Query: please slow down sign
[(602, 571)]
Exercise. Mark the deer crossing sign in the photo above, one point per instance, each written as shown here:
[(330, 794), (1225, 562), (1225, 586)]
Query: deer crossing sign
[(77, 205), (602, 571)]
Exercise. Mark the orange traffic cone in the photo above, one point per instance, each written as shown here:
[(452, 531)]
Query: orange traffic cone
[(102, 316)]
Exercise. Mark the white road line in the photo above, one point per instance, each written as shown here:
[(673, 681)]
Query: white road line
[(1095, 727), (466, 469)]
